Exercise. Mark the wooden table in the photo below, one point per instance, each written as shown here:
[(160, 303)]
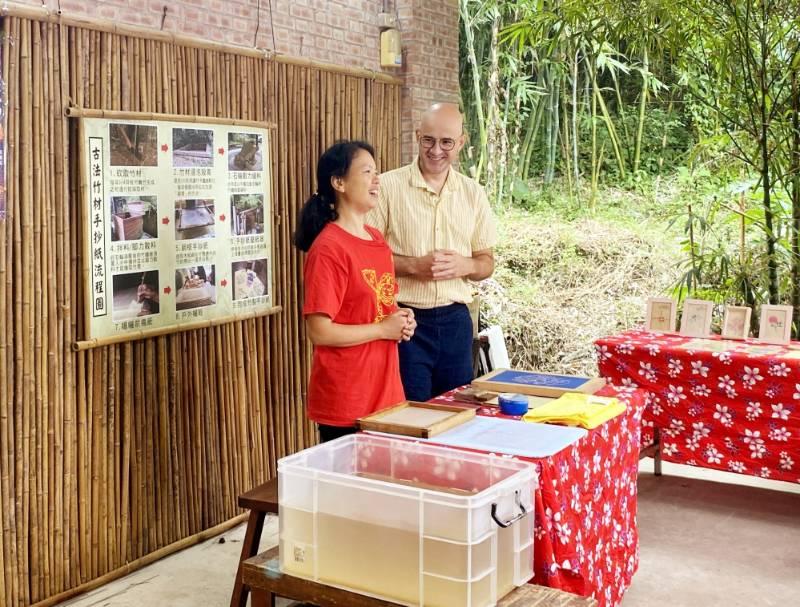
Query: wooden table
[(262, 574)]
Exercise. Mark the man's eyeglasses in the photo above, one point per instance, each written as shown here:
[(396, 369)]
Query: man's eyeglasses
[(445, 143)]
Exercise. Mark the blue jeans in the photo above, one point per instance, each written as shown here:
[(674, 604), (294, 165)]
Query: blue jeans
[(439, 356)]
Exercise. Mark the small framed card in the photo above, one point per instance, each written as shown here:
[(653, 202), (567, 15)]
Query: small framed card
[(660, 316), (736, 324), (776, 324), (696, 318)]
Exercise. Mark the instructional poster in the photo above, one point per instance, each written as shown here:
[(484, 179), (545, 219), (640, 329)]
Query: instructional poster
[(178, 224)]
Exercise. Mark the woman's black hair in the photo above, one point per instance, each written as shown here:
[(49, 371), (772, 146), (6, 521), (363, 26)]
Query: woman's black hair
[(320, 208)]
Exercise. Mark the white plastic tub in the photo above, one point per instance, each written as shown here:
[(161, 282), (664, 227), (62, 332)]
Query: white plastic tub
[(408, 522)]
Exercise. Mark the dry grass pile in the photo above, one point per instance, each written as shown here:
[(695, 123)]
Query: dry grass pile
[(559, 286)]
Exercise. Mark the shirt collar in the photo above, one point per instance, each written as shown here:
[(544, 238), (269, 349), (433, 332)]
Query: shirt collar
[(418, 181)]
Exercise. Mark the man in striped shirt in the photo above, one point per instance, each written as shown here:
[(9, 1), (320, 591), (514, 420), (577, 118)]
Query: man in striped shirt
[(440, 228)]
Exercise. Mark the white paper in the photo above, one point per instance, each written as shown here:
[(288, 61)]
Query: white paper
[(513, 437)]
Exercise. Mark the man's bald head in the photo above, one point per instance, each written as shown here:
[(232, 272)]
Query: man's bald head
[(441, 114)]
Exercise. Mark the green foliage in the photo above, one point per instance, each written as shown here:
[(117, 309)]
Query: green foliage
[(685, 113)]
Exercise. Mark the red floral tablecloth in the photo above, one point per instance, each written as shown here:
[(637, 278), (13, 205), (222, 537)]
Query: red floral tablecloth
[(729, 405), (586, 539)]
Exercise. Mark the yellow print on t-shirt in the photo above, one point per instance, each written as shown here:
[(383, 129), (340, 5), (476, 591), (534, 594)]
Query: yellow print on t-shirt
[(384, 291)]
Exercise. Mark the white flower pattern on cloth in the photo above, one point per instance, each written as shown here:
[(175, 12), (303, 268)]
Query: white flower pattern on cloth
[(779, 370), (780, 412), (723, 415), (745, 386), (753, 410), (780, 434), (701, 390), (675, 367), (713, 456), (647, 371), (751, 376), (724, 357), (675, 395), (625, 348)]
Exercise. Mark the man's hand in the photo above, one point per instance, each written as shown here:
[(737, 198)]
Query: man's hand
[(415, 267), (447, 264)]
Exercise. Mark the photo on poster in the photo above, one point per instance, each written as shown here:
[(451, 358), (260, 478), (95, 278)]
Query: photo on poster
[(133, 145), (195, 287), (194, 218), (192, 148), (244, 152), (134, 218), (135, 294), (250, 278), (247, 214)]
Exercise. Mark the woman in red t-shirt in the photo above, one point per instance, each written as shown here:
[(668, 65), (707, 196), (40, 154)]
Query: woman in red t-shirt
[(350, 310)]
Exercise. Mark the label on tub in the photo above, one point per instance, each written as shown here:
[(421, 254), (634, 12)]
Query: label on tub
[(299, 551)]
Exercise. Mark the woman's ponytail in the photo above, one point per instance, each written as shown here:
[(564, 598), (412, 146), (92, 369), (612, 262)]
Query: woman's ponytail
[(320, 208), (316, 213)]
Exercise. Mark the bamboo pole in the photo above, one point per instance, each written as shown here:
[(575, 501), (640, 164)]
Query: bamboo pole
[(24, 235), (145, 560), (6, 389), (8, 404), (148, 333)]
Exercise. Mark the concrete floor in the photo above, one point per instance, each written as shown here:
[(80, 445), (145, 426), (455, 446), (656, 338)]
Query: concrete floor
[(707, 539)]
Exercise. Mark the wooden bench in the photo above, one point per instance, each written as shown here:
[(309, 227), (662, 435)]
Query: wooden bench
[(263, 576), (260, 501)]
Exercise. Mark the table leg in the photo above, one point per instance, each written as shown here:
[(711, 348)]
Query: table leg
[(657, 454), (262, 598), (252, 537)]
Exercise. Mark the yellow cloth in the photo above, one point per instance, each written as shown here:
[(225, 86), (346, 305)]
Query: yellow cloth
[(573, 409), (415, 221)]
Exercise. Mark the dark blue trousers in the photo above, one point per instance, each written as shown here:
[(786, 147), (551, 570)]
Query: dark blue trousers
[(439, 356)]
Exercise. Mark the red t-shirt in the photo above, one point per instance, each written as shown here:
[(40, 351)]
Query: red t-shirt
[(352, 281)]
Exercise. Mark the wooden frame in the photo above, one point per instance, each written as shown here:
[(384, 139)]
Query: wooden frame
[(95, 335), (400, 419), (775, 326), (536, 383), (736, 324), (696, 318), (660, 314)]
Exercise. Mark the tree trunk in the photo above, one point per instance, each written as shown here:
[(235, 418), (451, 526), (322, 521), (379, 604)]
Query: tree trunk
[(766, 174), (637, 154), (469, 40), (576, 171), (494, 128)]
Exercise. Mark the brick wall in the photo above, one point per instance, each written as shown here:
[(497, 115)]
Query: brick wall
[(430, 60), (343, 32)]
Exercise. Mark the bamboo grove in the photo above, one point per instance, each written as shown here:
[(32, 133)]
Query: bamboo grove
[(576, 94), (113, 456)]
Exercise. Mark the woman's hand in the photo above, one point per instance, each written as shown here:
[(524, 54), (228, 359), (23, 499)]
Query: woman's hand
[(393, 325), (411, 325)]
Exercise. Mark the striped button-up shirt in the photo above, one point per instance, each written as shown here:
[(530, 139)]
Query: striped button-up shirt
[(416, 221)]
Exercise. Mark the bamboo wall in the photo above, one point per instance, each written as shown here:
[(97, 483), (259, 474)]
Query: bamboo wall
[(111, 454)]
